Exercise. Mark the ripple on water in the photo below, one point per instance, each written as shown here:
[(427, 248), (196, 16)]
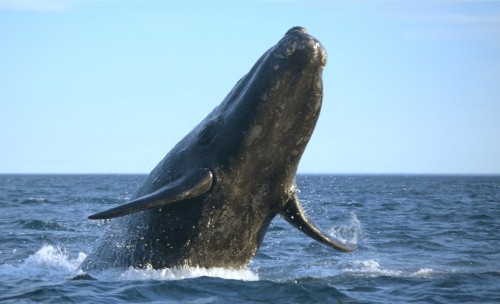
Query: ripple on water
[(41, 225)]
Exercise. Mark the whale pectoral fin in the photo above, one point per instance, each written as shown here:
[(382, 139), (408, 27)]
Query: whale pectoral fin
[(296, 216), (186, 187)]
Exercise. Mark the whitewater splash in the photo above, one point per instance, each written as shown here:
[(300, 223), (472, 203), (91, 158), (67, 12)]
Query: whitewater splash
[(54, 263), (51, 262), (48, 262), (348, 234), (180, 273)]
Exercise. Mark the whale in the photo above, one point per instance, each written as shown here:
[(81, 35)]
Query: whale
[(210, 201)]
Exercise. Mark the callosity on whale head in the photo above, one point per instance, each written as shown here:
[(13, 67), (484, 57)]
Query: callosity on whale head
[(210, 201)]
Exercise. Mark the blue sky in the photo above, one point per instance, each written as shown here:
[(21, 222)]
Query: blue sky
[(111, 86)]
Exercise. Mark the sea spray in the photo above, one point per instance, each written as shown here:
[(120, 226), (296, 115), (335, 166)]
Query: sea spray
[(350, 233), (49, 262)]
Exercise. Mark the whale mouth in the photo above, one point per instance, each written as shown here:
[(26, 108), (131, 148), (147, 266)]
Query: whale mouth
[(298, 45)]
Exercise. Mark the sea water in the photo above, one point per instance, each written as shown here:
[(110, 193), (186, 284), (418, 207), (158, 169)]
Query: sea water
[(423, 239)]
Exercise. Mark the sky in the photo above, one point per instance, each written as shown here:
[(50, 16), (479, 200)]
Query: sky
[(410, 87)]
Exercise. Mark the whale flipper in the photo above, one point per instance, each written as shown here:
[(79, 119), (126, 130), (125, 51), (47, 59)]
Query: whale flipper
[(295, 215), (186, 187)]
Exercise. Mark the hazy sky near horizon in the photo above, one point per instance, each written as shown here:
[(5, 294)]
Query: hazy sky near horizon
[(112, 86)]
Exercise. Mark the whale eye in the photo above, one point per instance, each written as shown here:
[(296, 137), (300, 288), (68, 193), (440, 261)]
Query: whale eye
[(208, 135)]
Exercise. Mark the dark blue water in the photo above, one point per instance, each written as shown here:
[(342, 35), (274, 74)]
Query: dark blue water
[(424, 239)]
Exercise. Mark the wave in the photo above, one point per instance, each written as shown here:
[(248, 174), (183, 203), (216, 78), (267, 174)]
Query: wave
[(34, 201), (41, 225)]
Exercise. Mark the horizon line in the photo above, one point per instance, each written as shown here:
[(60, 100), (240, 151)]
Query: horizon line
[(298, 173)]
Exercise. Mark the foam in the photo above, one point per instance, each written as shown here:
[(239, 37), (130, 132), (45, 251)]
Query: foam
[(180, 273), (424, 272), (371, 268)]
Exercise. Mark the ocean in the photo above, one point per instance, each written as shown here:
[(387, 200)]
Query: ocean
[(421, 239)]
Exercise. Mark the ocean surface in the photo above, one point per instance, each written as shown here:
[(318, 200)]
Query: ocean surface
[(421, 239)]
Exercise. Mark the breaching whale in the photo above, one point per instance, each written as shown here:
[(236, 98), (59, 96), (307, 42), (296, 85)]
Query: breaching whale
[(210, 201)]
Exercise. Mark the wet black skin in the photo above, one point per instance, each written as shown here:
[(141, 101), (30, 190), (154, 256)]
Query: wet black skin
[(210, 201)]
